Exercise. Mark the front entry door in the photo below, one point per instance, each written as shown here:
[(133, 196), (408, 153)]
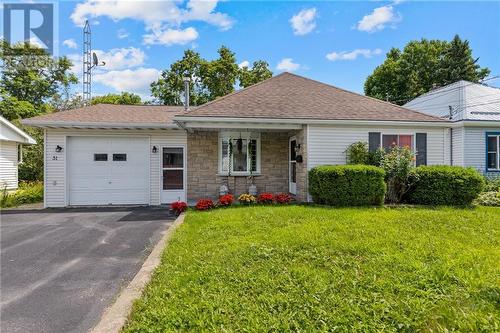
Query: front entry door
[(292, 177), (173, 175)]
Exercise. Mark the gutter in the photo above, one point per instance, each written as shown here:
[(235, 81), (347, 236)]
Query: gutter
[(97, 125), (187, 119), (476, 123)]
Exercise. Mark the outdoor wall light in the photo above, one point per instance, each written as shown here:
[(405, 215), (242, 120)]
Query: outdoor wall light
[(59, 149), (155, 150)]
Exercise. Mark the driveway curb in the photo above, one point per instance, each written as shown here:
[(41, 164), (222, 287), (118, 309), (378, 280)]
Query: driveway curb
[(115, 316)]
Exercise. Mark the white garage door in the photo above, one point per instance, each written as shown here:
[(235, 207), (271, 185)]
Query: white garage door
[(108, 170)]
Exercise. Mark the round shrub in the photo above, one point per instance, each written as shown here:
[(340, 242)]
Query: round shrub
[(445, 185), (347, 185)]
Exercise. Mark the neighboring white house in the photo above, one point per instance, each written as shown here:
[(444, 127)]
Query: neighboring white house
[(268, 135), (11, 141), (474, 110)]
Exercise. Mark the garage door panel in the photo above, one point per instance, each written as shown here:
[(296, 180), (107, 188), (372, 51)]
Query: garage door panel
[(124, 181)]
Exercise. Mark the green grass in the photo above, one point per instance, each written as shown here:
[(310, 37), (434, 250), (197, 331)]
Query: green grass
[(313, 269)]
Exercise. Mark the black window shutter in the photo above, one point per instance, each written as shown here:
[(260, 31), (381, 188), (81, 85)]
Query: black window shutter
[(421, 146), (373, 141)]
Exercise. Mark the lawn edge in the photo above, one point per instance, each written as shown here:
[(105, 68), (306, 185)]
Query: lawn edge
[(116, 315)]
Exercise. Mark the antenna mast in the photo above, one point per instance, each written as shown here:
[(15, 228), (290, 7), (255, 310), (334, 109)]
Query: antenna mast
[(87, 64)]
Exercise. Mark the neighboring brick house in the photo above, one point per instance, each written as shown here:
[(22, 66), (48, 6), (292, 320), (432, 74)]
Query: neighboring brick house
[(269, 135)]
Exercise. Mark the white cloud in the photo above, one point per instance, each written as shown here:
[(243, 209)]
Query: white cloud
[(171, 36), (353, 55), (70, 43), (378, 19), (153, 13), (244, 63), (304, 22), (132, 80), (121, 58), (115, 59), (122, 33), (287, 65)]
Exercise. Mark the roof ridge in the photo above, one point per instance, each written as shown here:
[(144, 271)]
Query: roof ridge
[(368, 97)]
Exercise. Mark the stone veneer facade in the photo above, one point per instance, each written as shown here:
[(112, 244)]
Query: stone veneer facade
[(203, 180)]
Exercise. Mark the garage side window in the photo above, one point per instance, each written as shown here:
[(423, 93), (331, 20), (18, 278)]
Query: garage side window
[(119, 157), (100, 157), (173, 168)]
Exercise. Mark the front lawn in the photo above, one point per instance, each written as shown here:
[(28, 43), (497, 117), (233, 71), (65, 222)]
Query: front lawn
[(309, 269)]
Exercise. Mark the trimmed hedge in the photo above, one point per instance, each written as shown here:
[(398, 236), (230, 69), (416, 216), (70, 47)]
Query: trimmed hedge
[(347, 185), (445, 185)]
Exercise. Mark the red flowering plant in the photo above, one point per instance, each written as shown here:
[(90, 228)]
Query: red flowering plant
[(283, 198), (226, 200), (204, 204), (265, 198), (178, 207)]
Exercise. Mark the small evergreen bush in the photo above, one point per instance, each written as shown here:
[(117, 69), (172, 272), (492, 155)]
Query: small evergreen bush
[(445, 185), (347, 185)]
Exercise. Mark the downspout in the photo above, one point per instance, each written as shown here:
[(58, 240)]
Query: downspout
[(451, 136)]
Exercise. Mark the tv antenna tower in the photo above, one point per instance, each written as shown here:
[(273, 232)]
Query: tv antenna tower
[(90, 61)]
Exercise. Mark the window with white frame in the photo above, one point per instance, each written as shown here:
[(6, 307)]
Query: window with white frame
[(493, 149), (239, 153)]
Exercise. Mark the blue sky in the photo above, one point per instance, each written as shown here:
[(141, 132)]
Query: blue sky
[(335, 42)]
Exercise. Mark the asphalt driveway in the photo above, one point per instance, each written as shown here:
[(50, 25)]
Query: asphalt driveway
[(61, 268)]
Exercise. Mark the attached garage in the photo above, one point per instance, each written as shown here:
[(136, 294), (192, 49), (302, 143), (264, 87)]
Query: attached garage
[(108, 170)]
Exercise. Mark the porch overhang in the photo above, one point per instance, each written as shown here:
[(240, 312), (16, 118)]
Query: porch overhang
[(210, 122), (207, 123)]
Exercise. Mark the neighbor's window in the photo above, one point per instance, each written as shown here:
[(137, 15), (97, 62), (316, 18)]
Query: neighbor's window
[(493, 149), (239, 155), (392, 140), (19, 154), (100, 157), (119, 157)]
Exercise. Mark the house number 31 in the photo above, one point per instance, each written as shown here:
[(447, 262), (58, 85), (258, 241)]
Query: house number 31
[(54, 158)]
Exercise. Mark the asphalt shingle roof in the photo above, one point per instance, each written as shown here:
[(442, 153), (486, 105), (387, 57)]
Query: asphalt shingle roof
[(112, 113), (290, 96)]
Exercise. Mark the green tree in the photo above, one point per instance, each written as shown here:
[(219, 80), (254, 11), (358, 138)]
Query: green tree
[(420, 66), (219, 76), (123, 98), (30, 80), (259, 72), (209, 79), (31, 75), (169, 89)]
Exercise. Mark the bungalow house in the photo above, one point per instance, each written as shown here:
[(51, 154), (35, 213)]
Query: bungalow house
[(474, 110), (268, 135), (12, 140)]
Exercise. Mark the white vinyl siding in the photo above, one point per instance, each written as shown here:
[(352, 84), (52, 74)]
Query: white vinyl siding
[(458, 146), (475, 147), (8, 165), (327, 144), (55, 168)]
